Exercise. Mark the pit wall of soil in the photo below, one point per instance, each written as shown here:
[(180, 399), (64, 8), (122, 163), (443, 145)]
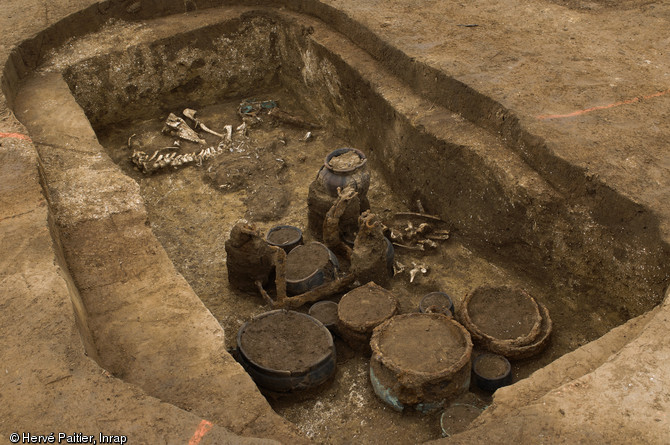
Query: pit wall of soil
[(235, 58), (508, 212), (78, 308)]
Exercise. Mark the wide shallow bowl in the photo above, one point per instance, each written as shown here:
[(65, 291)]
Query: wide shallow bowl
[(506, 321), (284, 236), (457, 417), (286, 351)]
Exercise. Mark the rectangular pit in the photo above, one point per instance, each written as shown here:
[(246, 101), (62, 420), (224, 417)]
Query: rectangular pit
[(509, 226)]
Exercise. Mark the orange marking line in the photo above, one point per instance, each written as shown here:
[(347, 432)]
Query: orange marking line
[(604, 107), (203, 428), (15, 136)]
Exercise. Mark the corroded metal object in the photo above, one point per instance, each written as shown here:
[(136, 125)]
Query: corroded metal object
[(372, 255), (251, 260), (333, 218), (370, 260), (320, 202)]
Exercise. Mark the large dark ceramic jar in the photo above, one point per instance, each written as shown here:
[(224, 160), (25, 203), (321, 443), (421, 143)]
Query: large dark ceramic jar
[(342, 167)]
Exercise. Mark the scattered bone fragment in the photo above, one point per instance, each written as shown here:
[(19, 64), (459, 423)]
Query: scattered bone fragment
[(190, 113), (394, 235), (418, 247), (427, 242), (415, 270), (440, 235), (416, 231), (229, 133), (398, 267), (308, 137)]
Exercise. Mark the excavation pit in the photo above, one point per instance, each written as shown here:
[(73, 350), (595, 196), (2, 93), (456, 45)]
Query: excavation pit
[(217, 62)]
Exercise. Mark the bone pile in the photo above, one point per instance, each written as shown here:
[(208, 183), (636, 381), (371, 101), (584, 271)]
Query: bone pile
[(417, 231), (170, 156)]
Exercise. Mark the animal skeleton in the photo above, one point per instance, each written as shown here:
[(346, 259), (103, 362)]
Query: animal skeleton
[(176, 125)]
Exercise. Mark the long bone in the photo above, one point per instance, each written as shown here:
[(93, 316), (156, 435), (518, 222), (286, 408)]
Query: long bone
[(190, 113)]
